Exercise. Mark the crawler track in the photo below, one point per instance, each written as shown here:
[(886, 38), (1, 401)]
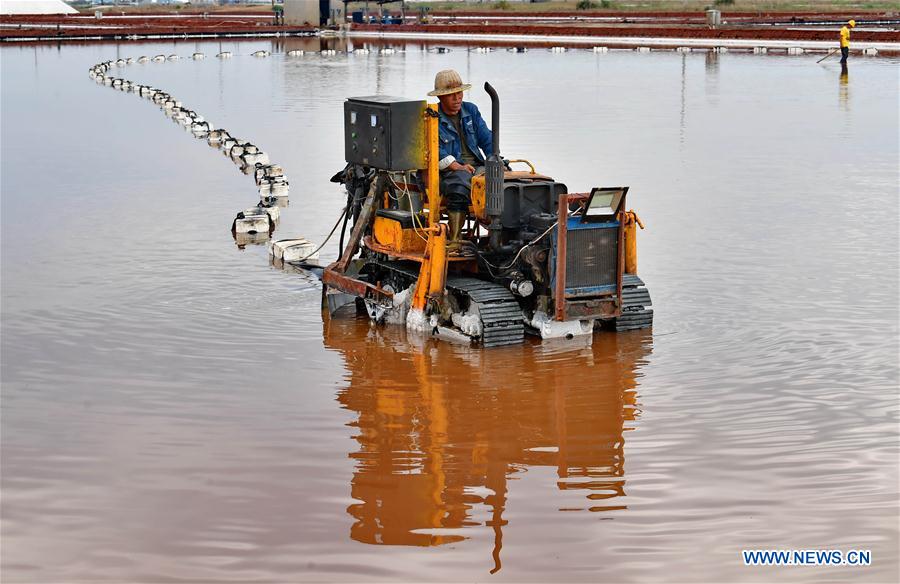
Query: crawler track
[(635, 302), (501, 316)]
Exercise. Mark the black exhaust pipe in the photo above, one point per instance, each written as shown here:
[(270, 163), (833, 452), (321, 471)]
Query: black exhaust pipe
[(495, 117), (493, 170)]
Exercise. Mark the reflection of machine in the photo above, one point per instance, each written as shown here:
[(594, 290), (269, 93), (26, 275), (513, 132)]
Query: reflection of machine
[(540, 259), (439, 438)]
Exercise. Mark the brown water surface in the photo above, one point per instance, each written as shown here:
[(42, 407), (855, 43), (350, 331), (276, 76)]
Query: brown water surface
[(175, 408)]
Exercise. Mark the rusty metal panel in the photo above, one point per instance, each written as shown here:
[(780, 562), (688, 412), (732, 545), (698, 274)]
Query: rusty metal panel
[(560, 292), (593, 308), (353, 286), (365, 216)]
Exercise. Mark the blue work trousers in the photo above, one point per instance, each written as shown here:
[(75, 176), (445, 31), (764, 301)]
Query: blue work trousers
[(456, 187)]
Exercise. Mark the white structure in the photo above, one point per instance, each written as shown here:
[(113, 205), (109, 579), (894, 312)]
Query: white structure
[(300, 12), (303, 12), (35, 7)]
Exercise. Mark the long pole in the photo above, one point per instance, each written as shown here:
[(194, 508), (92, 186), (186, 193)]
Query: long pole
[(831, 52)]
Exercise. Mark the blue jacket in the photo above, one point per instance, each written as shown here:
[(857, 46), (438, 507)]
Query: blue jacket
[(477, 135)]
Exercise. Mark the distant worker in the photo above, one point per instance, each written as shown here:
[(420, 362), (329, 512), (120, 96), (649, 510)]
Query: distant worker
[(463, 139), (278, 9), (845, 40)]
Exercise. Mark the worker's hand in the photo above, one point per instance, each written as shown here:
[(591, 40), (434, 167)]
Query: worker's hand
[(457, 166)]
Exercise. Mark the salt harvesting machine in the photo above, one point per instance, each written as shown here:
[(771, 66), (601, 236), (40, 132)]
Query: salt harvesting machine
[(538, 259)]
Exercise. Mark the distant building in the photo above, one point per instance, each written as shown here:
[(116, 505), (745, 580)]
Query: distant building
[(313, 12)]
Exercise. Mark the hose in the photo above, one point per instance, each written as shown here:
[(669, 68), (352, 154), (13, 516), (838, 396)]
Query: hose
[(333, 229)]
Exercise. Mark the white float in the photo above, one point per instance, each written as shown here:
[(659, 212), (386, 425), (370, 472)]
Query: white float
[(252, 159), (293, 250), (273, 188), (252, 220), (216, 136), (264, 171), (229, 143), (274, 211)]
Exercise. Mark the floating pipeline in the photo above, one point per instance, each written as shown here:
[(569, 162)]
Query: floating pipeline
[(253, 225), (523, 42)]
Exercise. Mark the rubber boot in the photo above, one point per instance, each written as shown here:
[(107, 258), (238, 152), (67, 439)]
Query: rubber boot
[(454, 240)]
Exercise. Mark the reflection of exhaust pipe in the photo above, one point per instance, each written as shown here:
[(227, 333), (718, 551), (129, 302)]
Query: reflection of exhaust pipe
[(493, 170)]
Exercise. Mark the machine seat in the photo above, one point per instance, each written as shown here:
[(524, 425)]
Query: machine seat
[(404, 218)]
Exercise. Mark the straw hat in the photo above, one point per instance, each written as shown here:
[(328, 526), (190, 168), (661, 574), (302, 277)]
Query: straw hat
[(447, 82)]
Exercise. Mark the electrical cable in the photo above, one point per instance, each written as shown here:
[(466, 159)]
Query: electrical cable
[(530, 243), (412, 212), (333, 229), (346, 219)]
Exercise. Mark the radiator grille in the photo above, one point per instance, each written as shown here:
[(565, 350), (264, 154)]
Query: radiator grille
[(591, 256)]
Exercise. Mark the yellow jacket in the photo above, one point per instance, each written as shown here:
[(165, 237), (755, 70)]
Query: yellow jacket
[(845, 36)]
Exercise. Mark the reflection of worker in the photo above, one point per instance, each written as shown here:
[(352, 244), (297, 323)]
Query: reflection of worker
[(463, 137), (844, 87), (845, 40)]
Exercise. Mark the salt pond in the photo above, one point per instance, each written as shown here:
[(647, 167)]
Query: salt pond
[(175, 408)]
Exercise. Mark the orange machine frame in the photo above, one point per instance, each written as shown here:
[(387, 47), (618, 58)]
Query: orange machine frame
[(402, 243)]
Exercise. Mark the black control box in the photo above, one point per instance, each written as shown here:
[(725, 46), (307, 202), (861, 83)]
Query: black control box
[(384, 132)]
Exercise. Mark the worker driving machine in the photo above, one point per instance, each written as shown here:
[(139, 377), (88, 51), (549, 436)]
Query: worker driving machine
[(539, 259)]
